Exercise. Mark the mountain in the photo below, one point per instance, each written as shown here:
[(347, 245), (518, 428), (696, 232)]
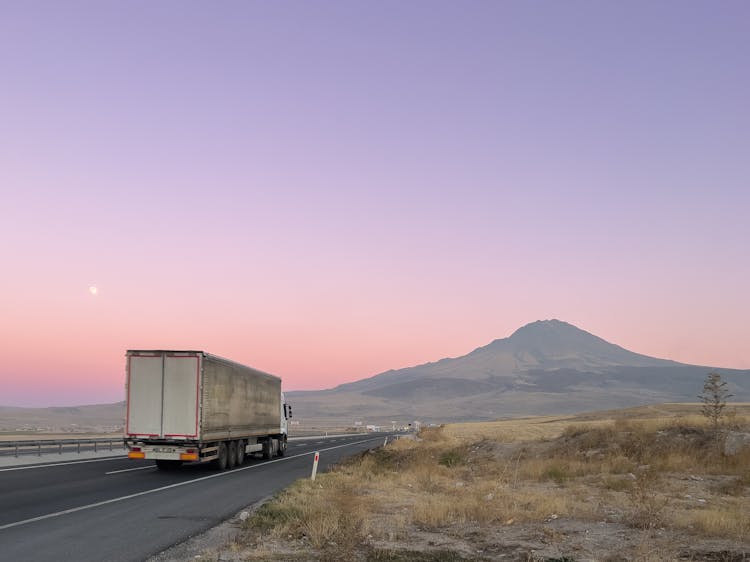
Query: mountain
[(544, 345), (546, 367)]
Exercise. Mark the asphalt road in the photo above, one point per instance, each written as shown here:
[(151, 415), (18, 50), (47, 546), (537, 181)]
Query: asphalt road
[(125, 510)]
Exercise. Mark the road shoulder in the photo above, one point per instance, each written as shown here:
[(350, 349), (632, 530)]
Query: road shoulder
[(214, 539)]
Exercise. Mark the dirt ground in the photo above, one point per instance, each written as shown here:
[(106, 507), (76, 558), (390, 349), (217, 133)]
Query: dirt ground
[(556, 540)]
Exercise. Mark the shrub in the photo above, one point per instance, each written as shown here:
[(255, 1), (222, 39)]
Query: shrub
[(274, 514), (556, 473), (617, 484), (648, 506), (714, 398), (454, 457)]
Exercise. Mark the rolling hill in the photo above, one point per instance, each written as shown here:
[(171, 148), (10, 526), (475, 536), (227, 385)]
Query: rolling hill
[(96, 418)]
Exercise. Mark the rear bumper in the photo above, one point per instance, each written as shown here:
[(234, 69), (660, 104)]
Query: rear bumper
[(165, 451)]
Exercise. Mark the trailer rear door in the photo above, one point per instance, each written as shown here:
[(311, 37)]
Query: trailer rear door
[(180, 415), (163, 394)]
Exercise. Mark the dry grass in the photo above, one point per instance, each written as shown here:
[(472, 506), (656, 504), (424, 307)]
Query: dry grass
[(728, 520), (512, 431), (324, 512), (664, 474)]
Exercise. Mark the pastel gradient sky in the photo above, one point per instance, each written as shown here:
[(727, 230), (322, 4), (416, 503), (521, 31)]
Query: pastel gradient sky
[(327, 190)]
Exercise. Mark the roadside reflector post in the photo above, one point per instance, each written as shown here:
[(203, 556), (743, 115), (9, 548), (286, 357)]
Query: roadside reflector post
[(386, 441), (316, 458)]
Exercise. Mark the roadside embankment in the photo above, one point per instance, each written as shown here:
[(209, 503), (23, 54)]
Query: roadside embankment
[(594, 489)]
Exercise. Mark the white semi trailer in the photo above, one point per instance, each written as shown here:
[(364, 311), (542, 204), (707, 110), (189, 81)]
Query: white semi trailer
[(190, 406)]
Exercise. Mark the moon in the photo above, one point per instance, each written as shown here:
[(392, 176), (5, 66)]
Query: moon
[(93, 290)]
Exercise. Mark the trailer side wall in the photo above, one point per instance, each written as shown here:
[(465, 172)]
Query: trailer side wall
[(238, 400)]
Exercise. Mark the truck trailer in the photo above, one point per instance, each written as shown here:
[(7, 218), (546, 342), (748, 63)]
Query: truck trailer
[(191, 406)]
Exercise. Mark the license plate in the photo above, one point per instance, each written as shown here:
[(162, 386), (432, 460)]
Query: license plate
[(163, 450)]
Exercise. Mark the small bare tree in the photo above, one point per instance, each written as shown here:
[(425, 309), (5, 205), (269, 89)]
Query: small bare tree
[(714, 398)]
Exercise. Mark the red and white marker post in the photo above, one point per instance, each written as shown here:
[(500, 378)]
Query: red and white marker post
[(316, 458)]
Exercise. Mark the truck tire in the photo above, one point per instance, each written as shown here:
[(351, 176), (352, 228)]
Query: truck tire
[(240, 453), (221, 459), (163, 464), (282, 446), (232, 454), (268, 448)]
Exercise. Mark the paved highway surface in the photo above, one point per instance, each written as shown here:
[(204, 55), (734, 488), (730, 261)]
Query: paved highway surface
[(117, 509)]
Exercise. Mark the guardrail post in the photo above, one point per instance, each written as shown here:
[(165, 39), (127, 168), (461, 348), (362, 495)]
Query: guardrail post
[(79, 447), (39, 448), (59, 450), (16, 450), (95, 446)]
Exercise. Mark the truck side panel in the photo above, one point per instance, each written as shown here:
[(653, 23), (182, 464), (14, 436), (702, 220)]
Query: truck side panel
[(238, 400), (144, 395), (181, 395)]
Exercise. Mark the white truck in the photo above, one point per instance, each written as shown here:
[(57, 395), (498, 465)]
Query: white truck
[(190, 406)]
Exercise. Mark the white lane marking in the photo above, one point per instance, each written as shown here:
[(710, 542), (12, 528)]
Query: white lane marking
[(176, 485), (123, 457), (129, 469)]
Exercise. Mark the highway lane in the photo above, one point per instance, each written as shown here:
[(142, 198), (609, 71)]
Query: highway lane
[(26, 492), (122, 510)]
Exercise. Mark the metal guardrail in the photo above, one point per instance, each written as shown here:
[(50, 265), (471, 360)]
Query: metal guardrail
[(315, 431), (41, 447), (50, 446)]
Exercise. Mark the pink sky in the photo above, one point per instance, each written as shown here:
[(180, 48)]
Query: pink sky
[(329, 190)]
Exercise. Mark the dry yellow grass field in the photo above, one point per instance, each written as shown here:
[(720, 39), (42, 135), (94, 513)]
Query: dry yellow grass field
[(638, 484), (548, 427)]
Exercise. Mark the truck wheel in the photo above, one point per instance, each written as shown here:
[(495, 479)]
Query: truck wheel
[(282, 446), (240, 452), (267, 448), (232, 454), (163, 464), (221, 460)]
